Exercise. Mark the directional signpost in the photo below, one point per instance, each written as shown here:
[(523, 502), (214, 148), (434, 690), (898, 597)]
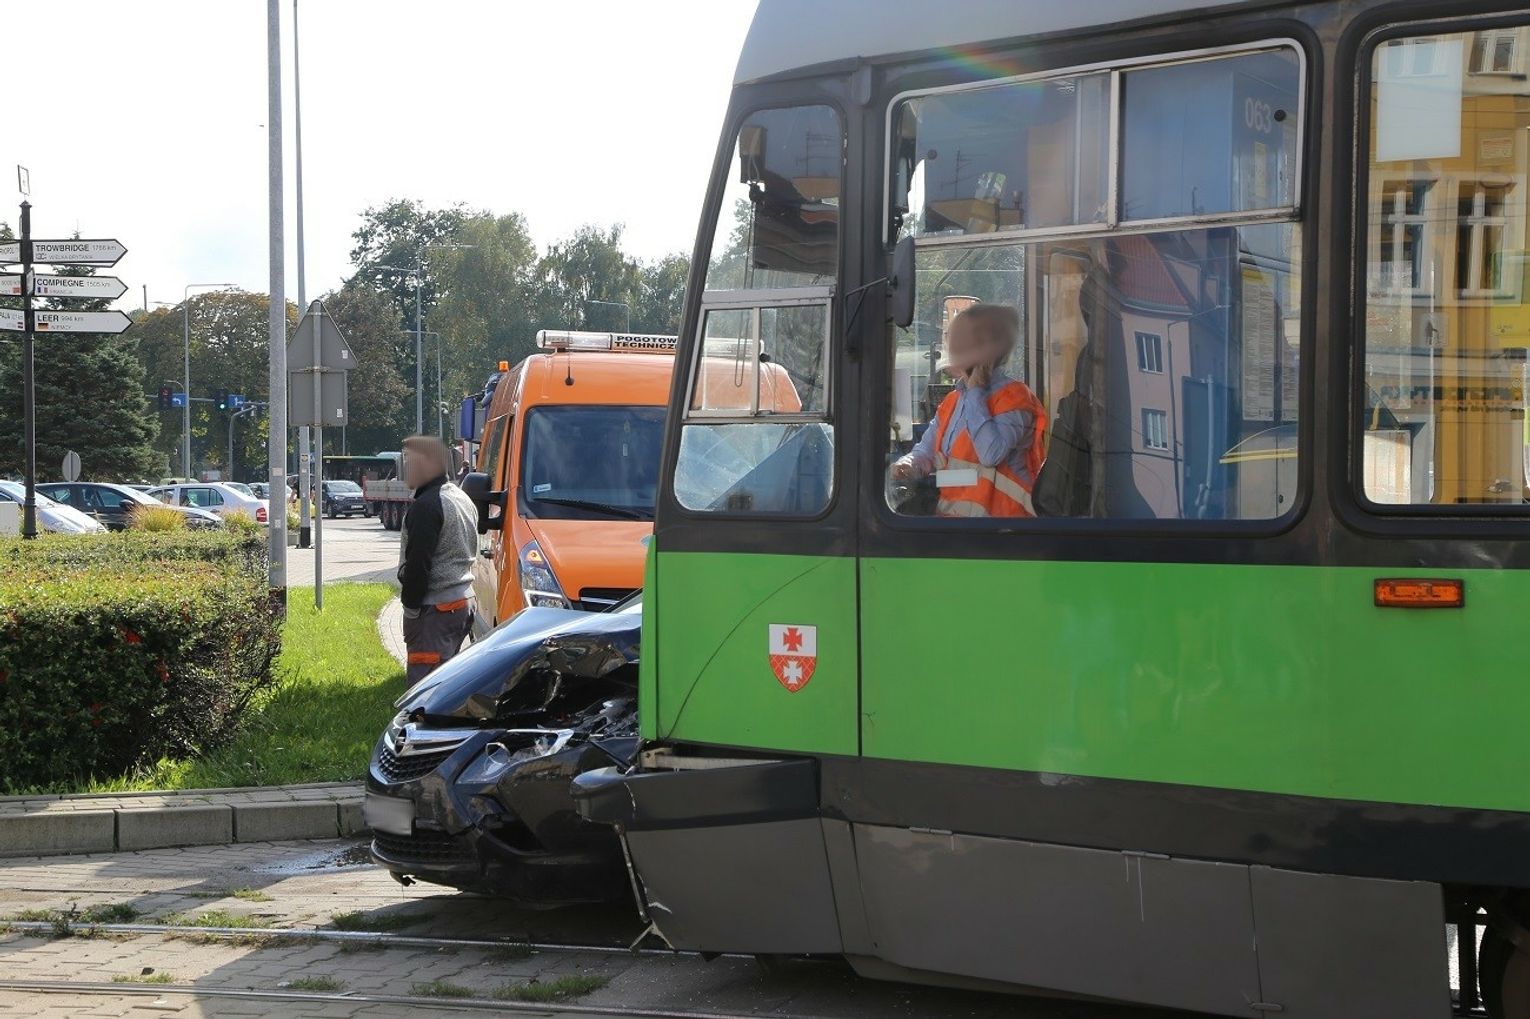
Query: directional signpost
[(97, 288), (81, 322), (77, 252), (318, 359), (28, 252)]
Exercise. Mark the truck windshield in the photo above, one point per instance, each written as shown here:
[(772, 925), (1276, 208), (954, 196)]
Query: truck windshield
[(591, 462)]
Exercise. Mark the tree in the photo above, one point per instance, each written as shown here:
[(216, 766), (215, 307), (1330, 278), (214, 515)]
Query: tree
[(488, 306), (396, 236), (585, 279), (230, 350), (89, 398), (662, 293), (378, 397)]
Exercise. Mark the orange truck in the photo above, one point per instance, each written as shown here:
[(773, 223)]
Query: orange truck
[(570, 446)]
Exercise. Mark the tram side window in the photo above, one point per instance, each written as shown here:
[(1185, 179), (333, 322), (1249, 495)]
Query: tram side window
[(1153, 373), (1446, 325)]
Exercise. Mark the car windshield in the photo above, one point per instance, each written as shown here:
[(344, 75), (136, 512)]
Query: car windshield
[(591, 462), (343, 487), (240, 487)]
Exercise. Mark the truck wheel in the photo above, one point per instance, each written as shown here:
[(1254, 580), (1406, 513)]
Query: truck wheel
[(1503, 969), (387, 517)]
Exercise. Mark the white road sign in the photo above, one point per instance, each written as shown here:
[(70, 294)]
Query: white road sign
[(76, 252), (81, 321), (107, 288), (10, 285), (10, 251), (12, 319)]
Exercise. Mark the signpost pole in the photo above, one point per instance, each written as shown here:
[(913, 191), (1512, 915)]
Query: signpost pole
[(305, 524), (277, 434), (28, 382), (318, 461)]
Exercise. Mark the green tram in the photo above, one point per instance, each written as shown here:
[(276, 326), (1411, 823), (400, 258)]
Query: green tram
[(1231, 720)]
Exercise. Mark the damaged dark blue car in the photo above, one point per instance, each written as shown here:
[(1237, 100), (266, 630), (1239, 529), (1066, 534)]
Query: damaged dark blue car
[(469, 784)]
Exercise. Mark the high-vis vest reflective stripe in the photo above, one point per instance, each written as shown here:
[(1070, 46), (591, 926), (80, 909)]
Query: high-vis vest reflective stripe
[(998, 491)]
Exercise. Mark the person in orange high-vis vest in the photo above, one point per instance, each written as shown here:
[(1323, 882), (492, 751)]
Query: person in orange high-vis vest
[(985, 446)]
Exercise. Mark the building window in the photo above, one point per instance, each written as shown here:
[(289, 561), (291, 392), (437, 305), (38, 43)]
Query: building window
[(1401, 268), (1482, 229), (1495, 52), (1150, 353), (1155, 429)]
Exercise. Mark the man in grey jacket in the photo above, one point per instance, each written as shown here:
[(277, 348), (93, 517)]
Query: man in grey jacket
[(437, 546)]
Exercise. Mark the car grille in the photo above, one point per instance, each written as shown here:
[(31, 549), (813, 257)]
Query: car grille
[(598, 599), (404, 769), (430, 847)]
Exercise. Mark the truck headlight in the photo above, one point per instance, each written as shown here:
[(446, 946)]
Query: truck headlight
[(537, 581)]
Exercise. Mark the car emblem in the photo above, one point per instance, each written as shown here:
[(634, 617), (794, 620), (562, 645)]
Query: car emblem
[(793, 654)]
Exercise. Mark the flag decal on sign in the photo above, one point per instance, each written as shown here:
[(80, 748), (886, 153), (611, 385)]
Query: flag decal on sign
[(793, 654)]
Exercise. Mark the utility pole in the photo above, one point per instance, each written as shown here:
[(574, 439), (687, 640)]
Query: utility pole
[(276, 444), (419, 325), (29, 383)]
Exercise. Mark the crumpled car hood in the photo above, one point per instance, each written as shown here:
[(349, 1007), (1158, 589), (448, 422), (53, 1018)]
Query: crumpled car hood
[(529, 662)]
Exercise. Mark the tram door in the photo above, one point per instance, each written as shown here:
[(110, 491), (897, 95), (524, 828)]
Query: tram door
[(753, 580)]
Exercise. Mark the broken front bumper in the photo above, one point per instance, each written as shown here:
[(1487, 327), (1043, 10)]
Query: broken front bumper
[(492, 814)]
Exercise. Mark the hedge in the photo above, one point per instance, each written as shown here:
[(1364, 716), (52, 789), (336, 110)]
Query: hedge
[(116, 650)]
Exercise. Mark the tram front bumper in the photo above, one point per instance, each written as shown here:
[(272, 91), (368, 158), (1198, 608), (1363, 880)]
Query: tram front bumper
[(726, 856)]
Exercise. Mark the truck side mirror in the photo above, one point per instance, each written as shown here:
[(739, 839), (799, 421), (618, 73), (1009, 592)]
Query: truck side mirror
[(900, 284), (476, 485)]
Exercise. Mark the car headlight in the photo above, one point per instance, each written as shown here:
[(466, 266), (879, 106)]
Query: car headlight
[(537, 581)]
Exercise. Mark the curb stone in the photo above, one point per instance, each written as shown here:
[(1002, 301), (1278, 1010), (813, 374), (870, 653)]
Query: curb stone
[(122, 822)]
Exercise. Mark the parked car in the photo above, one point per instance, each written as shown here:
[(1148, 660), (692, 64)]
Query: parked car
[(469, 784), (213, 496), (343, 499), (51, 516), (113, 505)]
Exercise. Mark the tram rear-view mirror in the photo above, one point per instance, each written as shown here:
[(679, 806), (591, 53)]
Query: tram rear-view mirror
[(900, 284)]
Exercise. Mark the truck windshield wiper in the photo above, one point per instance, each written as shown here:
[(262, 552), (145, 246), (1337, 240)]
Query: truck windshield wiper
[(599, 507)]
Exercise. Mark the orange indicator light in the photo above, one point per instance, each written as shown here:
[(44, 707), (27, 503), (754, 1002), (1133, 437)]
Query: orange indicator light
[(1411, 593)]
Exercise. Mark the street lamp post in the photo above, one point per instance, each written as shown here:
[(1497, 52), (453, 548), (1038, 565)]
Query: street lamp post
[(418, 272), (186, 350)]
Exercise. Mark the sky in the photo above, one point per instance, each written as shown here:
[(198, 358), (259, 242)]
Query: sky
[(145, 121)]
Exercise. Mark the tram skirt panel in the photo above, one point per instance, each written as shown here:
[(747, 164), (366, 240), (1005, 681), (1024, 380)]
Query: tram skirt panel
[(1215, 937)]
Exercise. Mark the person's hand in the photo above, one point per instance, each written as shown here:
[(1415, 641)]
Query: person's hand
[(903, 469)]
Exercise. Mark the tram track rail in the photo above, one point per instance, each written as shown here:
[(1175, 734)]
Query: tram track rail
[(572, 1007), (321, 934)]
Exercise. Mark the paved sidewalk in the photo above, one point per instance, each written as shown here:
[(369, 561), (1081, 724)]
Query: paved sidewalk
[(87, 823)]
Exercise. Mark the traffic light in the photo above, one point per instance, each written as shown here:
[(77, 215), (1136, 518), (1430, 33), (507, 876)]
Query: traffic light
[(223, 399), (166, 398)]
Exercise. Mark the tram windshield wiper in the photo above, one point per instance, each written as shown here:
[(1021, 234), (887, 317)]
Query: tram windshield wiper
[(625, 512)]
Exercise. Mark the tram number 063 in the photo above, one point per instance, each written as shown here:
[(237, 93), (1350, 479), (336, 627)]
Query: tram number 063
[(1258, 115)]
